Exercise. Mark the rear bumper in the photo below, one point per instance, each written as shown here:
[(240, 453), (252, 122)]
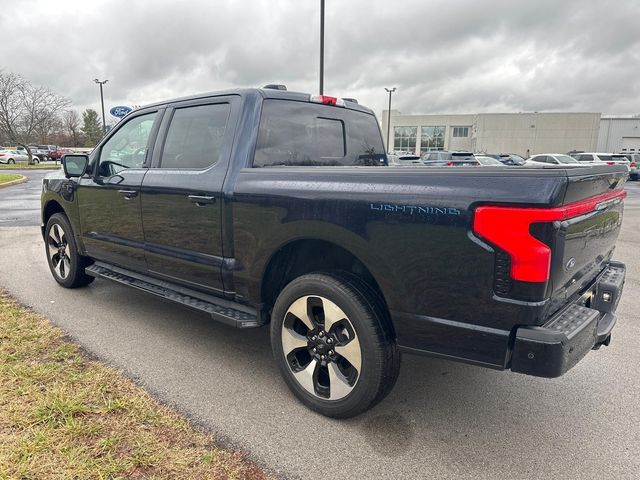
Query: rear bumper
[(586, 324)]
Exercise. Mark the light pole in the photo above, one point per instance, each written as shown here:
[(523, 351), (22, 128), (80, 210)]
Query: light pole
[(390, 90), (321, 47), (101, 83)]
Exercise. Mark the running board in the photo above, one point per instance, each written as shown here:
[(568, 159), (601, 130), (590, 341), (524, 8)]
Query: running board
[(224, 311)]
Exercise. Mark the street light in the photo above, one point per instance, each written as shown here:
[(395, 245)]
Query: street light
[(101, 83), (389, 114), (321, 47)]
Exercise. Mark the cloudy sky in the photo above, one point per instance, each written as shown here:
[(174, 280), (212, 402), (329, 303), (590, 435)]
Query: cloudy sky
[(442, 56)]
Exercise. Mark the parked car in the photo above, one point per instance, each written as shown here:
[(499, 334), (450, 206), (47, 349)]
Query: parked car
[(486, 161), (608, 158), (267, 207), (12, 156), (404, 160), (512, 159), (450, 159), (552, 159), (634, 161), (39, 151), (59, 153)]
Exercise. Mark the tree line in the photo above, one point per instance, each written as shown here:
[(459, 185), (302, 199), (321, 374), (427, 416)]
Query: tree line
[(32, 114)]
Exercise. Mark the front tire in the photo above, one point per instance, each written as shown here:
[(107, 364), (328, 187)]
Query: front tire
[(11, 161), (66, 264), (332, 343)]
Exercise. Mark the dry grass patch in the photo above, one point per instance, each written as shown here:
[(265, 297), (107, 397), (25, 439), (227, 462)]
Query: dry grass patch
[(63, 415)]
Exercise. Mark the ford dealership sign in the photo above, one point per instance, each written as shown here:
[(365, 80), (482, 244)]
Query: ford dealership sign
[(120, 111)]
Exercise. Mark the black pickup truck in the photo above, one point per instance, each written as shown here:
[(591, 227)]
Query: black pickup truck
[(264, 206)]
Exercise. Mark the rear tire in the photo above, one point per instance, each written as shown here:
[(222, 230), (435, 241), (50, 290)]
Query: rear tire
[(11, 161), (66, 264), (355, 362)]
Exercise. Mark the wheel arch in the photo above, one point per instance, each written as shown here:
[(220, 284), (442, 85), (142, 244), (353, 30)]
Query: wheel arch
[(302, 256)]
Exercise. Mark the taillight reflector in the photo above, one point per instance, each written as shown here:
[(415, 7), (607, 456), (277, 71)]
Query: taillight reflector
[(633, 164), (611, 163), (509, 229), (326, 100)]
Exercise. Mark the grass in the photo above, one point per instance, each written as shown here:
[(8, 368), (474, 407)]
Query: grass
[(26, 166), (63, 415), (8, 177)]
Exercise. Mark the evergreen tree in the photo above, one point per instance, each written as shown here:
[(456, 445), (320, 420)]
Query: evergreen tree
[(91, 128)]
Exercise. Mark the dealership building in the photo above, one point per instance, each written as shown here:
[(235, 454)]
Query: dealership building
[(521, 133)]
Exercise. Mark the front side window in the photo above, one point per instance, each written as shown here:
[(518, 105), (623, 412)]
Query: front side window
[(431, 138), (303, 134), (195, 136), (127, 148)]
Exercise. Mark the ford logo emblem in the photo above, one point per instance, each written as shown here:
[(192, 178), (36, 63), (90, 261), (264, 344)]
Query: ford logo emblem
[(570, 264), (120, 111)]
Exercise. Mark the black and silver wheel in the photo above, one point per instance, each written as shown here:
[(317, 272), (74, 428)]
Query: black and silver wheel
[(11, 161), (66, 265), (332, 344)]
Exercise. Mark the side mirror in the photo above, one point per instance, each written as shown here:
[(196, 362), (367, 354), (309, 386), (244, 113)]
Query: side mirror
[(74, 165)]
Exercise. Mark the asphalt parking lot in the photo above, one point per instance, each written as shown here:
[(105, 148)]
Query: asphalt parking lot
[(443, 420)]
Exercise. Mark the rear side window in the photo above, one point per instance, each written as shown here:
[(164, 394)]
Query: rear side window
[(304, 134), (195, 136)]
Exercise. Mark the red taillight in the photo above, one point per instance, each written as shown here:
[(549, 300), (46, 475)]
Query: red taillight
[(633, 164), (449, 164), (326, 100), (509, 229), (2, 154), (611, 163)]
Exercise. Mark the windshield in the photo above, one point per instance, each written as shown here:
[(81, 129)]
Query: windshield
[(565, 159)]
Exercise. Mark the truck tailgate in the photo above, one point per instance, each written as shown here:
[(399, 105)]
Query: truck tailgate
[(583, 245)]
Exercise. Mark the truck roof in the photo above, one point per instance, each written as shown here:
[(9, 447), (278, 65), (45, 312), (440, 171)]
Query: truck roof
[(264, 92)]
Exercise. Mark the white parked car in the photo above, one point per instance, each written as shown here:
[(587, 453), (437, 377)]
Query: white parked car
[(608, 158), (551, 159), (13, 156)]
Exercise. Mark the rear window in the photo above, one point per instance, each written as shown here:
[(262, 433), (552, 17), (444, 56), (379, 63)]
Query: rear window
[(304, 134)]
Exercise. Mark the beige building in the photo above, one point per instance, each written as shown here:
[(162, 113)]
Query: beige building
[(521, 133)]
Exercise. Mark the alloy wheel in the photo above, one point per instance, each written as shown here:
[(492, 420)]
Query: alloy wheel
[(58, 251), (321, 347)]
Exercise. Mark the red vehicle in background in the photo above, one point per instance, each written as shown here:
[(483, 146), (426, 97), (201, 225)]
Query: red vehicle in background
[(58, 153)]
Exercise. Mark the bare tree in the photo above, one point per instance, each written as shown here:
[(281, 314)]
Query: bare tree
[(26, 110), (71, 126)]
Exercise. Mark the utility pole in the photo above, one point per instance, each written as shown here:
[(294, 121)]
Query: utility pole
[(321, 47), (389, 115), (101, 83)]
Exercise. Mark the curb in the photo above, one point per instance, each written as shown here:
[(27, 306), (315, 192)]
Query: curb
[(14, 182)]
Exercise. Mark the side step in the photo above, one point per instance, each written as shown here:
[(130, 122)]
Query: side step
[(231, 313)]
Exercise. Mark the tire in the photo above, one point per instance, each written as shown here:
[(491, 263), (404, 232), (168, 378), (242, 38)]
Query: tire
[(11, 161), (36, 160), (66, 265), (343, 370)]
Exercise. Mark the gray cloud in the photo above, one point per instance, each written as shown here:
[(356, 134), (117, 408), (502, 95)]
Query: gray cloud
[(442, 56)]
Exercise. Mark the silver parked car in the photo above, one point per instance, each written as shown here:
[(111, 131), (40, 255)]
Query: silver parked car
[(13, 156)]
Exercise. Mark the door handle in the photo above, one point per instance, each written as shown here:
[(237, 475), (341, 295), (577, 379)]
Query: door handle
[(201, 200), (128, 194)]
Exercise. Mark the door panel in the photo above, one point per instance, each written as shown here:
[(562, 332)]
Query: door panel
[(109, 201), (182, 194)]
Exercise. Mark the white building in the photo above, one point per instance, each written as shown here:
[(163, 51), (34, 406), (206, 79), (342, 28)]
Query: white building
[(521, 133), (618, 135)]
